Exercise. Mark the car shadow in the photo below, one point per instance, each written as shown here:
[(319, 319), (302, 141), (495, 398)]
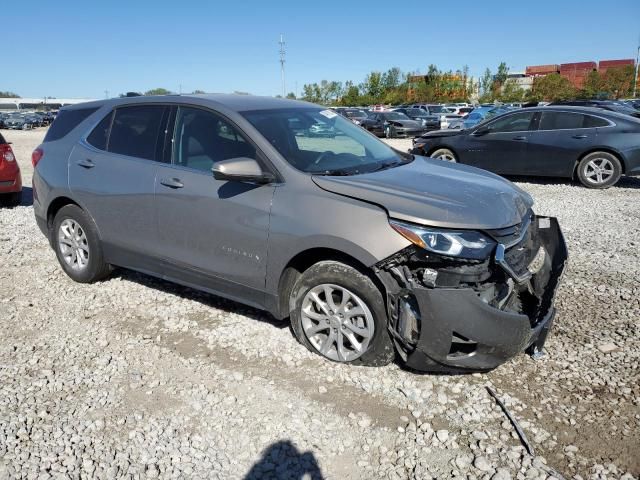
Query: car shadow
[(207, 299), (283, 460), (624, 182)]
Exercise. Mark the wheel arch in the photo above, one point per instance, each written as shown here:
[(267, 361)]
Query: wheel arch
[(60, 202), (607, 149), (300, 262)]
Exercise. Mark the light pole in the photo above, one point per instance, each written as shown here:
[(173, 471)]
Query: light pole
[(282, 54), (635, 78)]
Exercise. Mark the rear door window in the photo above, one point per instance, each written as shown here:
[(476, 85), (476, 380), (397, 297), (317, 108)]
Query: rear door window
[(65, 121), (562, 121), (135, 131), (591, 122), (100, 134)]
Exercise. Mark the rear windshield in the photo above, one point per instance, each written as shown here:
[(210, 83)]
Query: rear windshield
[(65, 121)]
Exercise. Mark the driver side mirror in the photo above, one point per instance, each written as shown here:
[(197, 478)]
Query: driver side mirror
[(482, 131), (241, 169)]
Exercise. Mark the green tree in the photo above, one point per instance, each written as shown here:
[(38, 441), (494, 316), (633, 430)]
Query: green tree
[(501, 74), (372, 86), (291, 95), (351, 95), (511, 92), (198, 92), (391, 78), (552, 87), (486, 86), (9, 95), (618, 82), (592, 85), (157, 91)]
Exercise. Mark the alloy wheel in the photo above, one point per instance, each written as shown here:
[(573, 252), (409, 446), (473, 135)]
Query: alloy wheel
[(337, 322), (598, 171), (73, 244)]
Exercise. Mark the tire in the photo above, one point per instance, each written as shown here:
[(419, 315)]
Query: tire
[(361, 295), (84, 237), (599, 170), (444, 154)]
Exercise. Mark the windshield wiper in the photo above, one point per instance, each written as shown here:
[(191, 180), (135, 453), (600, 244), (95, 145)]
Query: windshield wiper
[(394, 163), (335, 173)]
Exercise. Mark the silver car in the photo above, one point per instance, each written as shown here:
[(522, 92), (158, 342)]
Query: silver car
[(370, 252)]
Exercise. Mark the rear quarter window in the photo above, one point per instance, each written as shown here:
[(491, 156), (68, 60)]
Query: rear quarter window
[(591, 122), (65, 121)]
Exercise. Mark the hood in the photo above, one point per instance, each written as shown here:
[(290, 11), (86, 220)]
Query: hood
[(407, 123), (437, 193)]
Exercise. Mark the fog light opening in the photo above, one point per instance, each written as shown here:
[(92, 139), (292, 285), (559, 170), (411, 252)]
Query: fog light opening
[(461, 346)]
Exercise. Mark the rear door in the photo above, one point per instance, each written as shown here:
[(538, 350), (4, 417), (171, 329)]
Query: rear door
[(213, 233), (112, 174), (560, 139), (504, 147)]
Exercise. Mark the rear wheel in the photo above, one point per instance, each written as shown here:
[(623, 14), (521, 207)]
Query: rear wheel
[(599, 170), (77, 245), (444, 154), (339, 313)]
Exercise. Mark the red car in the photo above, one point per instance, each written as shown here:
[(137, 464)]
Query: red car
[(10, 178)]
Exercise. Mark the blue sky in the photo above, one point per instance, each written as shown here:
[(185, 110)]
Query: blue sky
[(82, 48)]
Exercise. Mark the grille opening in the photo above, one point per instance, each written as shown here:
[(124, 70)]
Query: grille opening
[(461, 346)]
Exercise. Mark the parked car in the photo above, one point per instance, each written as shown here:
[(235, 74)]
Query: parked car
[(480, 114), (367, 250), (430, 122), (393, 124), (445, 115), (16, 121), (595, 146), (10, 178), (610, 105), (354, 114)]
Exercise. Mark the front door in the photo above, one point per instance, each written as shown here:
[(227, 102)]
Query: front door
[(500, 146), (213, 233)]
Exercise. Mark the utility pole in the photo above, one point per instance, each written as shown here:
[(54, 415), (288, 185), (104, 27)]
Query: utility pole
[(106, 94), (282, 53), (635, 78)]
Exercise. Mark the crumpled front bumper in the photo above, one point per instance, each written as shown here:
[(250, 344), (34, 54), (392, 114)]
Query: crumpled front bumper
[(449, 314)]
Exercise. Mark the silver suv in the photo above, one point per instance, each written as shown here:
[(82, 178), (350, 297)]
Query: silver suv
[(370, 252)]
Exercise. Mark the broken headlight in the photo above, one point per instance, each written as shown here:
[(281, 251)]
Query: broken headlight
[(453, 243)]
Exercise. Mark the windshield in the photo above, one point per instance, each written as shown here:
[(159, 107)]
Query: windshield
[(417, 112), (436, 109), (323, 142), (395, 116)]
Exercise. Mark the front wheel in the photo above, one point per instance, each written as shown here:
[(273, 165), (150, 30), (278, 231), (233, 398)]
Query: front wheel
[(444, 154), (599, 170), (339, 313)]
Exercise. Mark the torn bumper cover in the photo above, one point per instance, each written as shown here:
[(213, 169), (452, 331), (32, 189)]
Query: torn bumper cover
[(462, 328)]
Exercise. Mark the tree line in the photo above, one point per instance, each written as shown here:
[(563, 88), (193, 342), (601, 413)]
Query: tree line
[(437, 86)]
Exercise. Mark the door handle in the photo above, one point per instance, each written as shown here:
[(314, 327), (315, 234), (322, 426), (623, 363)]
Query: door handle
[(579, 137), (520, 138), (86, 163), (172, 182)]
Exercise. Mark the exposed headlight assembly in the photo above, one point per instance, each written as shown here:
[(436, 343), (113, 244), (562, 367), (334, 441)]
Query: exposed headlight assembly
[(452, 243)]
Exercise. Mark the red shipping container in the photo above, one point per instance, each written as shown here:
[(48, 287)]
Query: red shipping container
[(541, 69), (578, 66), (616, 63)]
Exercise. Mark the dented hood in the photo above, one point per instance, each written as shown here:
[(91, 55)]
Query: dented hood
[(437, 193)]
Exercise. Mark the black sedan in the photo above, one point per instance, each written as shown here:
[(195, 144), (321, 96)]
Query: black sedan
[(595, 146), (430, 122), (392, 125)]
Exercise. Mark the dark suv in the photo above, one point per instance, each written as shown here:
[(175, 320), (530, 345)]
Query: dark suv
[(369, 251)]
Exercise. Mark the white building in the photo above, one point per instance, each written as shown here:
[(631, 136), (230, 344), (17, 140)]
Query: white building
[(8, 104)]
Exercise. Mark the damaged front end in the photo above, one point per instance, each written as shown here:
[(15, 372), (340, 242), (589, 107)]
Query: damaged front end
[(458, 314)]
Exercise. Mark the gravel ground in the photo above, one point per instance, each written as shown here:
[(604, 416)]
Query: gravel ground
[(135, 377)]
